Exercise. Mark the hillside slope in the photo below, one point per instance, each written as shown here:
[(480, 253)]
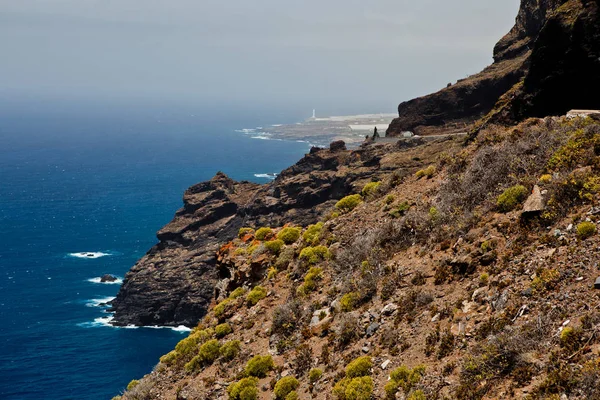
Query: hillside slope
[(453, 282)]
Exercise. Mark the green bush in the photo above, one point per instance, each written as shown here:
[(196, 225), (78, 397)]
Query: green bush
[(312, 234), (221, 308), (313, 255), (389, 199), (244, 389), (256, 294), (349, 301), (190, 343), (275, 246), (427, 172), (314, 375), (170, 357), (285, 386), (511, 198), (239, 292), (370, 189), (416, 395), (230, 350), (359, 367), (403, 378), (263, 233), (586, 230), (293, 395), (245, 231), (258, 366), (207, 354), (360, 388), (289, 235), (223, 330), (349, 203), (133, 384), (310, 280)]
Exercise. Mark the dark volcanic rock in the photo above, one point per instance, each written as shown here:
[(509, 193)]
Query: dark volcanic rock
[(174, 282), (554, 47), (108, 278)]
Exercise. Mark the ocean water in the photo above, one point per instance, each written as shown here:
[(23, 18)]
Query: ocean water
[(99, 182)]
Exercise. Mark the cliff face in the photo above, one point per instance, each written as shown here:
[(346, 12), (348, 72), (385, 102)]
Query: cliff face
[(175, 281), (553, 47)]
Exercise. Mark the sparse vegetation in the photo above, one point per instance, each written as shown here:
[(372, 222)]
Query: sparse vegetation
[(230, 350), (243, 232), (285, 386), (312, 234), (357, 385), (274, 246), (349, 203), (370, 189), (427, 172), (258, 366), (314, 375), (313, 255), (511, 197), (255, 295), (244, 389), (403, 378), (223, 330), (263, 233), (289, 235), (586, 230)]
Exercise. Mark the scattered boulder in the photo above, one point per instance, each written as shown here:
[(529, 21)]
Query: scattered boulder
[(597, 283), (371, 329), (389, 309), (535, 203)]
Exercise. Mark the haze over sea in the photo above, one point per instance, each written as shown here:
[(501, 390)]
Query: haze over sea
[(103, 180)]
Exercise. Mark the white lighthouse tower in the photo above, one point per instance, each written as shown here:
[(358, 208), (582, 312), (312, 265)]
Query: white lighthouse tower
[(314, 114)]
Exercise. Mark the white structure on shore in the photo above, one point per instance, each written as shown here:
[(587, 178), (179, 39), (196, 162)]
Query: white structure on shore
[(314, 114)]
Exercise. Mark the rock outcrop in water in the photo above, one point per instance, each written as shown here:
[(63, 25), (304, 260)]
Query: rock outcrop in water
[(547, 64)]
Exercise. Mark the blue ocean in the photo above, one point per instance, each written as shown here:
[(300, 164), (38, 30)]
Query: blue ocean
[(102, 181)]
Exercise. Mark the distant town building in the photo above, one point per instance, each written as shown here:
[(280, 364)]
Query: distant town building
[(582, 113)]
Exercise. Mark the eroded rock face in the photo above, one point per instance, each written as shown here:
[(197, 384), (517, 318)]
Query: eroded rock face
[(554, 47), (175, 281)]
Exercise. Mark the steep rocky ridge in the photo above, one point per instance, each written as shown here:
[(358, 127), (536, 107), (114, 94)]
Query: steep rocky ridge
[(174, 283), (553, 47)]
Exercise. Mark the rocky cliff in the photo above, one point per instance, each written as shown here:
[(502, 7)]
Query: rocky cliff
[(175, 281), (553, 48)]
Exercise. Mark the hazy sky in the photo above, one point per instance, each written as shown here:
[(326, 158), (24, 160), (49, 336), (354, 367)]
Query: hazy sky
[(334, 55)]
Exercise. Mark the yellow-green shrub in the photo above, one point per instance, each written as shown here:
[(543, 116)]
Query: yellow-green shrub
[(285, 386), (207, 354), (360, 388), (349, 301), (223, 330), (312, 234), (359, 367), (230, 350), (403, 378), (274, 246), (370, 188), (289, 235), (244, 389), (417, 395), (511, 198), (245, 231), (314, 375), (545, 179), (427, 172), (586, 229), (310, 280), (349, 203), (263, 233), (190, 343), (293, 395), (170, 357), (256, 294), (258, 366), (238, 292), (223, 307), (313, 255), (132, 384)]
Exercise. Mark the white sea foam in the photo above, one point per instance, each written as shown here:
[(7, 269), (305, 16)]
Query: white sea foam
[(277, 125), (89, 254), (101, 302), (266, 176), (106, 322), (99, 280), (245, 131), (261, 137)]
